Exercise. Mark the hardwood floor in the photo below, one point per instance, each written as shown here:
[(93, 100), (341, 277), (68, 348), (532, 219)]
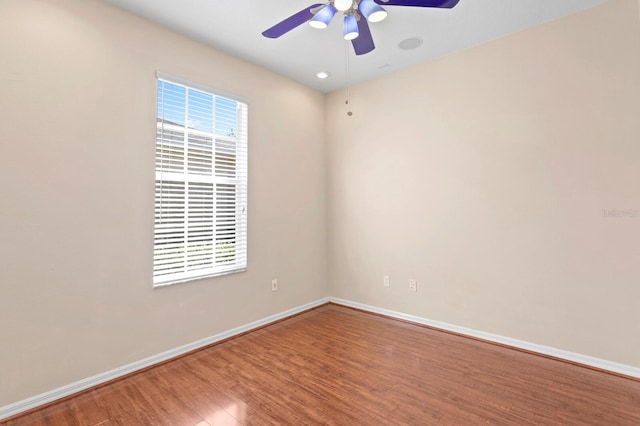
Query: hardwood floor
[(339, 366)]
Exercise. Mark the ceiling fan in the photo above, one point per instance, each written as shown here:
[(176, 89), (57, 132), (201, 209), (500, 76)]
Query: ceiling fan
[(355, 28)]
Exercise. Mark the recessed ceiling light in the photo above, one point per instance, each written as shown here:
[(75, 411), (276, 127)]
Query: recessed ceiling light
[(410, 43), (322, 75)]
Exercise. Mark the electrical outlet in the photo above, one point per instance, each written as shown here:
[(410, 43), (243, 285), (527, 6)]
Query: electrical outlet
[(274, 284), (413, 285), (386, 281)]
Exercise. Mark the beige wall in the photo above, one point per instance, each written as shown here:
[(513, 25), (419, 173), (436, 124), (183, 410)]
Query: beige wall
[(77, 135), (484, 175)]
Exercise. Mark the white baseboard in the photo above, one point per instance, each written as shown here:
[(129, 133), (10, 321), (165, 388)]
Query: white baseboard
[(44, 398), (614, 367)]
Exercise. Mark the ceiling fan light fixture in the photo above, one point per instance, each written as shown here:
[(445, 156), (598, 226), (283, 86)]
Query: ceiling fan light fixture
[(350, 29), (322, 18), (372, 11), (343, 5)]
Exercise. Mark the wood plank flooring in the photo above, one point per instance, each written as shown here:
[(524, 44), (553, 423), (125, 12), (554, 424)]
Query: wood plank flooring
[(338, 366)]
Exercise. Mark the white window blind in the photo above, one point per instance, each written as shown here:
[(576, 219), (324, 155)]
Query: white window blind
[(201, 183)]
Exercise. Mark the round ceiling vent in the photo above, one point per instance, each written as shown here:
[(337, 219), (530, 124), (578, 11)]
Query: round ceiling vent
[(410, 43)]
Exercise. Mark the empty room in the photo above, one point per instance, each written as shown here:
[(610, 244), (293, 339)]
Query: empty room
[(351, 212)]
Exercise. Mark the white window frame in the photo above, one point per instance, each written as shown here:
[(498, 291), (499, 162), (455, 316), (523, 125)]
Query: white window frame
[(182, 251)]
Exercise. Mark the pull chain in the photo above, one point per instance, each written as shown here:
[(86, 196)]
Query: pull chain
[(347, 78)]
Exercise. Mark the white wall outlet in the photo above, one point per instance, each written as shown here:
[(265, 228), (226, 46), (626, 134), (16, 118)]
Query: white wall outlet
[(274, 284), (386, 281), (413, 285)]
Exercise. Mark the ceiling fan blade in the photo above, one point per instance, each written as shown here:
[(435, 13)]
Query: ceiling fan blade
[(292, 22), (448, 4), (364, 42)]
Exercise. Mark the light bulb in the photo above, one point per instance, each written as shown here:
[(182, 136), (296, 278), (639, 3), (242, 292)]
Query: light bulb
[(343, 5)]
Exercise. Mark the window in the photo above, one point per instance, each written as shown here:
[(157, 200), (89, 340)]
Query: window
[(201, 183)]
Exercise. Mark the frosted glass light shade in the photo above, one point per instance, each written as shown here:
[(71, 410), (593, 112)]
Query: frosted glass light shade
[(350, 29), (322, 18), (372, 11)]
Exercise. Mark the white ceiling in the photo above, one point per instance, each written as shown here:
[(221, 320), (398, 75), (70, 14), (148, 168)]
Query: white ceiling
[(235, 26)]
